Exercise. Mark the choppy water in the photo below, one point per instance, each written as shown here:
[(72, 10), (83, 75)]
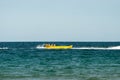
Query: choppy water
[(86, 61)]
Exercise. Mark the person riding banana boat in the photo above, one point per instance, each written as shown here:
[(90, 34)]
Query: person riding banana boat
[(53, 46)]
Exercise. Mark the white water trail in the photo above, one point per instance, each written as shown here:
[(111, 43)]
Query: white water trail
[(98, 48), (114, 48), (40, 47)]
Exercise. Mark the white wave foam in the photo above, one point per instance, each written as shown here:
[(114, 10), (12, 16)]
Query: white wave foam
[(98, 48), (115, 47), (3, 47), (40, 47)]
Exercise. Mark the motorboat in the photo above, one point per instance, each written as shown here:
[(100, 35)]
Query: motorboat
[(53, 46)]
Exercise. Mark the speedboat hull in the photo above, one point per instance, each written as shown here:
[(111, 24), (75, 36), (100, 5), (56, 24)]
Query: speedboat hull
[(59, 47)]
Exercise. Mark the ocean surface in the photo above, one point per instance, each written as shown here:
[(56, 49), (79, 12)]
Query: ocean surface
[(85, 61)]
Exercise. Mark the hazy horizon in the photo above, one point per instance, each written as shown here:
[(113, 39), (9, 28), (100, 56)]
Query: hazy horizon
[(61, 20)]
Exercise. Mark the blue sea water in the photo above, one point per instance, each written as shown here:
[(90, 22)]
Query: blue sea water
[(85, 61)]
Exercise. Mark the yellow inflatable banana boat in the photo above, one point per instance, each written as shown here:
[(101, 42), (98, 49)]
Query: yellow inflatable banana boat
[(53, 46)]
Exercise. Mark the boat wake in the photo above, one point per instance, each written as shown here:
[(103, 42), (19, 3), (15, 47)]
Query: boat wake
[(40, 47), (88, 48), (78, 48), (98, 48)]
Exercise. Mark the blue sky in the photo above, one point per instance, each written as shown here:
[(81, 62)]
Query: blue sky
[(59, 20)]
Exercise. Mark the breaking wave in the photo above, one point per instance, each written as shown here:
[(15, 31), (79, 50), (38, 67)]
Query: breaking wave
[(98, 48)]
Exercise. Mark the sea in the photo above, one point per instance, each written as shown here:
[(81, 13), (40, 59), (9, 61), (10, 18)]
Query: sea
[(85, 61)]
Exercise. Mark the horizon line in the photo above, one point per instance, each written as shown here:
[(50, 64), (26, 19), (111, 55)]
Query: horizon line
[(60, 41)]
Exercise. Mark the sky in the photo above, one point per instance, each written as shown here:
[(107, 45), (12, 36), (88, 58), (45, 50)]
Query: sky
[(59, 20)]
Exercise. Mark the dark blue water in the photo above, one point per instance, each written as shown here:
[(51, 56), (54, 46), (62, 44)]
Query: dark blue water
[(86, 61)]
